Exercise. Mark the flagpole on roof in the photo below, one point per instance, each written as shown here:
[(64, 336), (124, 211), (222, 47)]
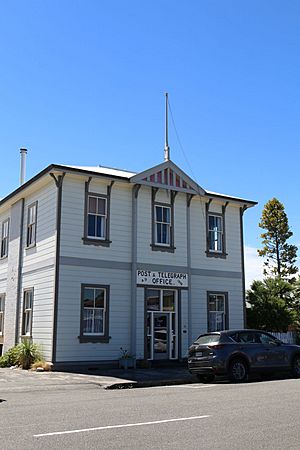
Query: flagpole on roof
[(167, 148)]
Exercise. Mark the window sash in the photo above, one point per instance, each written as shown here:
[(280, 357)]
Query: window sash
[(215, 233), (216, 312), (93, 319), (27, 313), (4, 239), (31, 226), (2, 300), (216, 321), (96, 218), (163, 225)]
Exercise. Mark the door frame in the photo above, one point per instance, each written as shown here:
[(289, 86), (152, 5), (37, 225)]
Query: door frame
[(177, 318)]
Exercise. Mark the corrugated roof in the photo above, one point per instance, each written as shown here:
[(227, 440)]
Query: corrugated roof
[(239, 199), (105, 170)]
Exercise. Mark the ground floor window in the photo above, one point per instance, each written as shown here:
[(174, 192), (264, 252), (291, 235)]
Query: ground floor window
[(162, 324), (2, 299), (217, 311), (94, 313), (27, 312)]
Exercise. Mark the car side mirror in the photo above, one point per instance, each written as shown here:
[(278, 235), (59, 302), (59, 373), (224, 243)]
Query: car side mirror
[(276, 342)]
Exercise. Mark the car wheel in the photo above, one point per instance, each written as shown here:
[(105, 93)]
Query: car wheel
[(206, 378), (238, 370), (296, 367)]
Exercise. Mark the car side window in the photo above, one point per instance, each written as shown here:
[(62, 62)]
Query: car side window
[(235, 337), (265, 338), (247, 338)]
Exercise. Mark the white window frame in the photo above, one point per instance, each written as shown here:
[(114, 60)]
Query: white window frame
[(216, 233), (217, 319), (84, 333), (103, 216), (4, 238), (2, 309), (27, 312), (161, 223), (31, 225)]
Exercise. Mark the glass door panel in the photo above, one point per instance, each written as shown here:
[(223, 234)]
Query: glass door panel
[(161, 339)]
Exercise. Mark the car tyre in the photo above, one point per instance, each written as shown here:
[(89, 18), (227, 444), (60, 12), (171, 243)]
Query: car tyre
[(238, 370), (296, 366), (206, 378)]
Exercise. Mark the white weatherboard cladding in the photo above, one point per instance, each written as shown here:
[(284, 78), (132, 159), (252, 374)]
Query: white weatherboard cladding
[(72, 228), (12, 276), (43, 253), (163, 196), (68, 326), (42, 282), (3, 262), (38, 268), (98, 186), (216, 207), (145, 253), (233, 261), (200, 287)]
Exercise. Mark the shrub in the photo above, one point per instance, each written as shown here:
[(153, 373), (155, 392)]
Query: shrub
[(10, 358), (43, 364), (23, 354), (29, 353)]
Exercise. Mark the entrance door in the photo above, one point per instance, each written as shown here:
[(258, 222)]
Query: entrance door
[(161, 336), (161, 324)]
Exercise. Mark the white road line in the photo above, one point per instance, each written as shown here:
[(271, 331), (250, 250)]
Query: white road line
[(126, 425), (189, 386)]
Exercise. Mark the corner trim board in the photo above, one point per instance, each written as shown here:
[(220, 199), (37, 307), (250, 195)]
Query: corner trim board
[(59, 185)]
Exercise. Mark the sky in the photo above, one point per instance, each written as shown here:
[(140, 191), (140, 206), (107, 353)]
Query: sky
[(82, 82)]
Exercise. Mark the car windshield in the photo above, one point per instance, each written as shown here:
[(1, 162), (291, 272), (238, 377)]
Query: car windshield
[(207, 339)]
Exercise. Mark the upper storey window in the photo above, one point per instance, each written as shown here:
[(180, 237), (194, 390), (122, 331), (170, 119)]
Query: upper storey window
[(162, 225), (4, 239), (31, 225), (97, 217), (215, 233)]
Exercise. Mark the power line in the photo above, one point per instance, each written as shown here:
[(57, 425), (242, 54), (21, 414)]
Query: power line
[(185, 156)]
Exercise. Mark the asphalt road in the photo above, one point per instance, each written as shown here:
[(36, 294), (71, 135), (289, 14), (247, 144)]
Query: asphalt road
[(257, 415)]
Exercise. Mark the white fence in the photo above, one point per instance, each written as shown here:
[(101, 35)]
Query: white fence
[(288, 338)]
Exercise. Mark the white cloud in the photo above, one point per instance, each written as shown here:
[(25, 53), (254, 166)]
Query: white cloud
[(253, 266)]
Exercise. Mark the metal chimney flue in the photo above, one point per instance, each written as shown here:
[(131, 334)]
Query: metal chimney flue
[(23, 152)]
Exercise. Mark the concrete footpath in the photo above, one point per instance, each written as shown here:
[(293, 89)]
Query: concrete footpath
[(18, 380)]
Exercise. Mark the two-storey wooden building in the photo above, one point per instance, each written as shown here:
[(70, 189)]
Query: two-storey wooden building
[(94, 259)]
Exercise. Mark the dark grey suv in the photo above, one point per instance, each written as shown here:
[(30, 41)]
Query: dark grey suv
[(236, 353)]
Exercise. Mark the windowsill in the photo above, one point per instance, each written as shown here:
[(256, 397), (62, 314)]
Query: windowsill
[(28, 247), (162, 248), (211, 254), (94, 339), (99, 242), (26, 336)]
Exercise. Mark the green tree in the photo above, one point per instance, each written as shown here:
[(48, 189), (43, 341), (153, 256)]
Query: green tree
[(270, 305), (280, 256), (295, 304)]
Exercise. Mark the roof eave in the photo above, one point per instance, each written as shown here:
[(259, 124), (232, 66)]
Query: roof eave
[(58, 168), (244, 202)]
